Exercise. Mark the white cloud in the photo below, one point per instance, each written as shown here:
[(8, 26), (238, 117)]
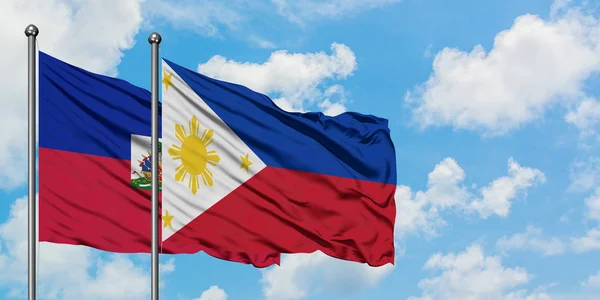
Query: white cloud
[(420, 211), (532, 66), (415, 214), (293, 79), (117, 278), (585, 175), (524, 295), (68, 272), (427, 53), (332, 109), (589, 242), (301, 11), (592, 204), (533, 240), (74, 31), (201, 16), (302, 274), (218, 18), (444, 185), (261, 42), (473, 275), (210, 17), (497, 196), (213, 293), (168, 266), (335, 100), (586, 117), (573, 296), (592, 282), (559, 6)]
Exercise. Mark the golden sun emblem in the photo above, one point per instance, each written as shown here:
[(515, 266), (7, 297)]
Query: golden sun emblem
[(194, 155)]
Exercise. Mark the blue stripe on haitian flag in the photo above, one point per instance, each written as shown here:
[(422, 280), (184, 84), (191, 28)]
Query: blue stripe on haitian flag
[(87, 113), (349, 145)]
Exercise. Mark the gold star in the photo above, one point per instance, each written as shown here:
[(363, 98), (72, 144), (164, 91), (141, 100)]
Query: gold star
[(167, 219), (245, 162), (167, 80)]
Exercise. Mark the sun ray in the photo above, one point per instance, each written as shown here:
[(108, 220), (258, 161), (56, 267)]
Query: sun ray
[(208, 174), (181, 173), (212, 158), (180, 133), (207, 137), (194, 155), (206, 179), (194, 184), (175, 152), (194, 126)]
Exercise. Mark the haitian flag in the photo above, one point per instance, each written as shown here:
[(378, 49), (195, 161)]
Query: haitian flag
[(240, 173), (94, 164)]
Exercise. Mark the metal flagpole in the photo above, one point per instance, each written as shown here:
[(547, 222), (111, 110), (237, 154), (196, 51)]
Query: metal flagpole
[(154, 40), (31, 32)]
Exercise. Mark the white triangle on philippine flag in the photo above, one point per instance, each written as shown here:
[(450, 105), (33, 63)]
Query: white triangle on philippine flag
[(203, 160)]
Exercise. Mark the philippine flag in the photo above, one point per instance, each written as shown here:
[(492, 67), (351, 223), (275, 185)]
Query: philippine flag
[(240, 173)]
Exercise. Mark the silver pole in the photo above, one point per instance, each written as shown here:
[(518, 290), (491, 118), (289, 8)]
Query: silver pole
[(154, 40), (31, 32)]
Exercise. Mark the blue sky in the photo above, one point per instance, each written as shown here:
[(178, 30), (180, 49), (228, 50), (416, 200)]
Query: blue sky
[(493, 110)]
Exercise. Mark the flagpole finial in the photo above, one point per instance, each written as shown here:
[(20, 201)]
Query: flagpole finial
[(154, 38), (32, 30)]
